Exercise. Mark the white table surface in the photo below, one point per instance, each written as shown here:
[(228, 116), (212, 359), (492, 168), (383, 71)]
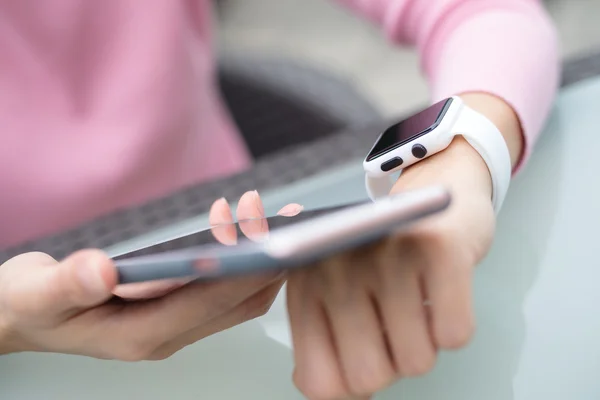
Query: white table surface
[(537, 299)]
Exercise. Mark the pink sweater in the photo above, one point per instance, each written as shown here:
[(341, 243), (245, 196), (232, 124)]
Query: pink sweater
[(105, 104)]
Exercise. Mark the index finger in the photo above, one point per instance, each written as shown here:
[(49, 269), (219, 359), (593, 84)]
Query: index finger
[(190, 307), (221, 222), (251, 216)]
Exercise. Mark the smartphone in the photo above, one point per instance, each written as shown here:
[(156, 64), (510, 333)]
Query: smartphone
[(279, 242)]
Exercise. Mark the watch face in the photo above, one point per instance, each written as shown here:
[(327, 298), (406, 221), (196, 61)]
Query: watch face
[(409, 129)]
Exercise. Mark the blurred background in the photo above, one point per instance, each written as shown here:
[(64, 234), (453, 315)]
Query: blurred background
[(323, 34), (307, 117)]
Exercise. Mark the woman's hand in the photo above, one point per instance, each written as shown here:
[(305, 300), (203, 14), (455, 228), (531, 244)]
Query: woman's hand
[(364, 319), (68, 306), (249, 213)]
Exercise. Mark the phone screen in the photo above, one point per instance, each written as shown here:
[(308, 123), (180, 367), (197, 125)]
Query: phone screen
[(230, 234)]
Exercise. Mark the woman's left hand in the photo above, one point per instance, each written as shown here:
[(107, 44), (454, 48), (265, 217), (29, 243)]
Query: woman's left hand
[(364, 319)]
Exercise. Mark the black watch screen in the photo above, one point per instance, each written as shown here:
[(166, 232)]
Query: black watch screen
[(410, 129)]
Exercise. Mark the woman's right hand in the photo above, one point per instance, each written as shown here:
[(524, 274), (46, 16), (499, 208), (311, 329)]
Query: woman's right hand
[(69, 306)]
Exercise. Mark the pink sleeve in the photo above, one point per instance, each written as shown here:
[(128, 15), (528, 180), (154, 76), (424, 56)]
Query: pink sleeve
[(507, 48)]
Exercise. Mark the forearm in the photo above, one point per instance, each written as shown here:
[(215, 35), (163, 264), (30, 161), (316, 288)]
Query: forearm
[(515, 59), (505, 48)]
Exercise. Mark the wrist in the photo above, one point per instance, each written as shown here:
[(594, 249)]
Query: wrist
[(458, 167), (460, 164)]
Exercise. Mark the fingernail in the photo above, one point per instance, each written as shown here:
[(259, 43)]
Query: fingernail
[(261, 207), (90, 276), (222, 200), (291, 210), (220, 212)]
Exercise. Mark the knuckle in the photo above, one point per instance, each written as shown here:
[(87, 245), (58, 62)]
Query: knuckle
[(335, 283), (259, 305), (435, 244), (161, 354), (135, 351), (369, 371), (254, 311), (319, 389), (455, 337), (264, 307), (425, 248), (131, 355), (416, 365), (428, 236), (364, 381), (441, 252)]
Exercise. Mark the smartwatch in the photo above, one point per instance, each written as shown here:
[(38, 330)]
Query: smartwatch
[(429, 132)]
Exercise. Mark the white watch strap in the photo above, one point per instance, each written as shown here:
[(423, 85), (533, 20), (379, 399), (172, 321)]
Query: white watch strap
[(485, 137), (378, 187)]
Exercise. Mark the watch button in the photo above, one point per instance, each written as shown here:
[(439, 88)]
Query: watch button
[(391, 164), (419, 151)]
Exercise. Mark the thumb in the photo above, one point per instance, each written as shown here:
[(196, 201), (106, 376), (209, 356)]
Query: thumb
[(83, 280)]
